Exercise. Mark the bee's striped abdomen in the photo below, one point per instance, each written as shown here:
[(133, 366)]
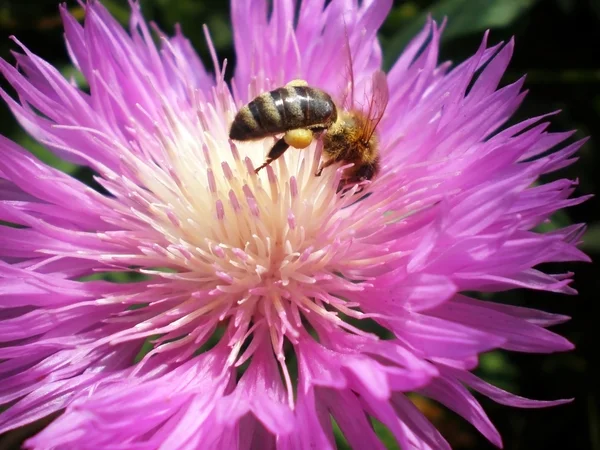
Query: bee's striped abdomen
[(283, 109)]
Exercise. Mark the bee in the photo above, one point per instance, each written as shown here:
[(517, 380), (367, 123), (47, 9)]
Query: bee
[(296, 109), (303, 112)]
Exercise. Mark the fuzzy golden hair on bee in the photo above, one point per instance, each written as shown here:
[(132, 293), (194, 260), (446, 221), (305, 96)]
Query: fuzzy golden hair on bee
[(353, 139), (349, 137)]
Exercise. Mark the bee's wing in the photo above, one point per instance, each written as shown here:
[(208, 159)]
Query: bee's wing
[(377, 102)]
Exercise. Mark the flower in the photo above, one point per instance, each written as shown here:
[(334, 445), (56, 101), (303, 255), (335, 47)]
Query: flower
[(269, 301)]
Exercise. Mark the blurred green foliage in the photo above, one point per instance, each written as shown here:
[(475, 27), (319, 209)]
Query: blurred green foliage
[(467, 17), (557, 46)]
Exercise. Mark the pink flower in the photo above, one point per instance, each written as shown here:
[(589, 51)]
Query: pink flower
[(246, 274)]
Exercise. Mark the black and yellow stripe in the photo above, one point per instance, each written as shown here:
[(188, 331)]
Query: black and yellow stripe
[(283, 109)]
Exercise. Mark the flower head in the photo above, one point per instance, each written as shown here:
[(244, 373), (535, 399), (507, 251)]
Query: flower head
[(270, 302)]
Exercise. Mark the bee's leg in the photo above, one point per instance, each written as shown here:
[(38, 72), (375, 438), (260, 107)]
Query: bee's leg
[(276, 151), (324, 166)]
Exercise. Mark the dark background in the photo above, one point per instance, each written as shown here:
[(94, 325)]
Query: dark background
[(557, 44)]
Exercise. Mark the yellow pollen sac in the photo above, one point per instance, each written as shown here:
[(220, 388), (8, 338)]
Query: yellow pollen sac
[(300, 138), (297, 83)]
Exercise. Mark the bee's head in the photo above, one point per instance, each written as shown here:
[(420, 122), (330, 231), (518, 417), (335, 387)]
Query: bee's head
[(361, 172)]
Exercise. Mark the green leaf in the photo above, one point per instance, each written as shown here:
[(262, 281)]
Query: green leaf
[(496, 364), (340, 440), (146, 347), (118, 9), (464, 17), (591, 238), (496, 368), (70, 72), (559, 219), (44, 154), (386, 436), (116, 277)]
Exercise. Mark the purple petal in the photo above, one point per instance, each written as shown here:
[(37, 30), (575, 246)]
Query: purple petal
[(453, 395), (437, 337), (497, 394), (260, 392), (347, 412), (425, 432), (518, 334), (533, 316)]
